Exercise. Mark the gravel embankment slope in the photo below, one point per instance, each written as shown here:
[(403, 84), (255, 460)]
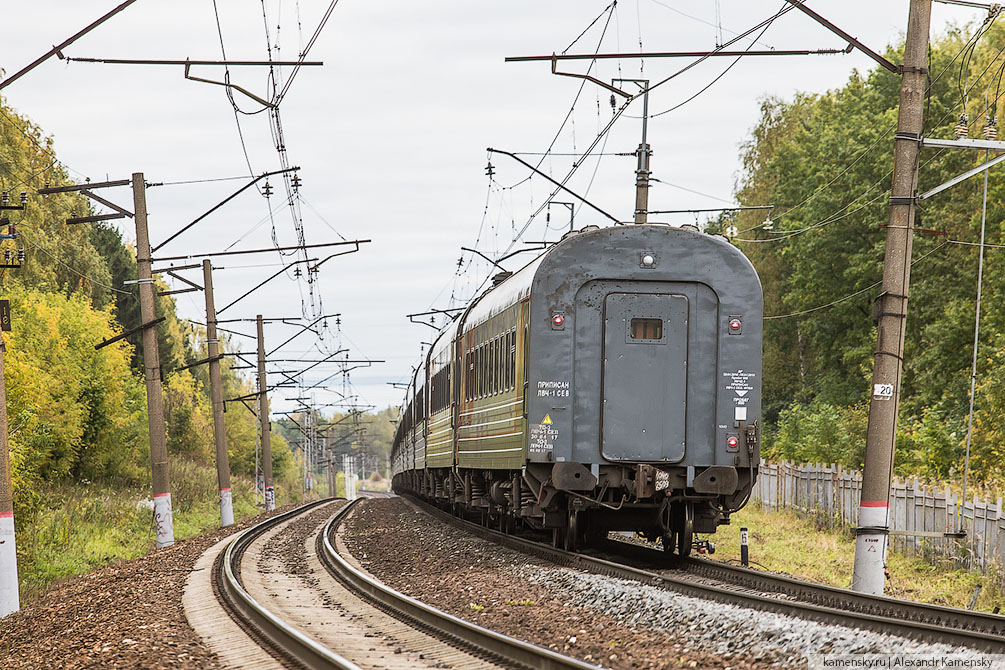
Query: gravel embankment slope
[(127, 615)]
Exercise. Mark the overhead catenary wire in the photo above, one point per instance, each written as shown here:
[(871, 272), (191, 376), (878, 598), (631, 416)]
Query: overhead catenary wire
[(700, 20), (850, 295)]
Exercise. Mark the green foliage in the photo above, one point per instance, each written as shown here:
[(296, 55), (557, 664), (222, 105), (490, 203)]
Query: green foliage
[(825, 161), (928, 447), (821, 433), (75, 529), (77, 416), (72, 410)]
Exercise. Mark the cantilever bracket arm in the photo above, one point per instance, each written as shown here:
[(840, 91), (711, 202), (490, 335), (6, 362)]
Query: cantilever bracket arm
[(966, 175), (123, 335), (57, 50), (544, 245), (315, 267), (223, 202), (263, 283), (225, 84), (801, 6), (475, 251), (556, 183), (576, 75), (303, 329)]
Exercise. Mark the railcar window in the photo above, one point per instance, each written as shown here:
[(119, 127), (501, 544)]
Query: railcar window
[(646, 329), (490, 368), (511, 358), (480, 367), (504, 360), (467, 375), (495, 365), (486, 367)]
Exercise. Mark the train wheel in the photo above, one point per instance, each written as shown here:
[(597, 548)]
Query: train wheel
[(558, 538), (685, 535), (571, 540)]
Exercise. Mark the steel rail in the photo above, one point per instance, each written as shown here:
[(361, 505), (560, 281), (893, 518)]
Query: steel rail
[(496, 644), (286, 639), (785, 595)]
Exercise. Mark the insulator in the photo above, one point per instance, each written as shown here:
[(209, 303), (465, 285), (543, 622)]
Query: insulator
[(12, 230), (267, 189), (614, 101), (20, 255), (24, 197), (47, 184), (296, 182), (963, 127), (5, 197), (6, 256), (991, 127)]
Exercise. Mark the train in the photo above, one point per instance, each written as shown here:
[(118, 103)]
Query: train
[(611, 384)]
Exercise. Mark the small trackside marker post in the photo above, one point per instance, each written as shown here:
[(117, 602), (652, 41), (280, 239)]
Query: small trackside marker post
[(744, 550)]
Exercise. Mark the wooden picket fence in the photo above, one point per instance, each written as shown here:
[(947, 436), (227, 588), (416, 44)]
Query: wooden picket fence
[(831, 493)]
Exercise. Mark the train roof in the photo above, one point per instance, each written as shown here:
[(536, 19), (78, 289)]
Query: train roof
[(710, 258)]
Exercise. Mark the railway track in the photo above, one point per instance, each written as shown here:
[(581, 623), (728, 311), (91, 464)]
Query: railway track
[(354, 621), (711, 580)]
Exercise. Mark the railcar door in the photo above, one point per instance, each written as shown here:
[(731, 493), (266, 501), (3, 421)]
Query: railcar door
[(645, 377)]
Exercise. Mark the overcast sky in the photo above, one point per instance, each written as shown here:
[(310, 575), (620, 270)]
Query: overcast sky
[(391, 134)]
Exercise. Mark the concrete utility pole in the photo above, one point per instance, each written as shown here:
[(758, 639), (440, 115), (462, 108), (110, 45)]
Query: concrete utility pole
[(263, 419), (10, 600), (216, 394), (873, 520), (152, 369)]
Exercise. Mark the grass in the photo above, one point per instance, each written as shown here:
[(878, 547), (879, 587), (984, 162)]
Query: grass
[(80, 527), (806, 548)]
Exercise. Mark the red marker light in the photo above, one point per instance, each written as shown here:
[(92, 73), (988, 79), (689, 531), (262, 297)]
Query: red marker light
[(734, 324), (732, 441), (557, 320)]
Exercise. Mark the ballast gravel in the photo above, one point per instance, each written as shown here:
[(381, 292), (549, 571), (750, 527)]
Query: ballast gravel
[(718, 627), (612, 622), (484, 583)]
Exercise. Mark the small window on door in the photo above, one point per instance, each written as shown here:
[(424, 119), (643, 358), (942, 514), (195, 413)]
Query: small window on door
[(646, 329)]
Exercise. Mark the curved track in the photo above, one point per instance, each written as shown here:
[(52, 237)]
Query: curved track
[(735, 585), (470, 645)]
